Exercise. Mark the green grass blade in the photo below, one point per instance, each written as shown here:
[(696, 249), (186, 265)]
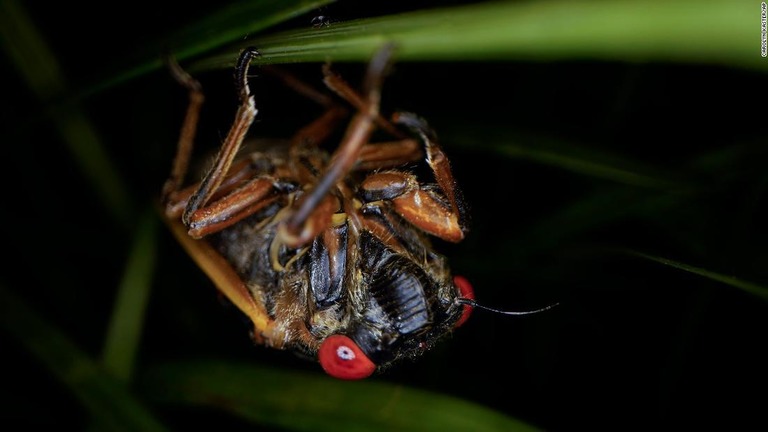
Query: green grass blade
[(236, 21), (124, 333), (749, 287), (37, 64), (613, 202), (302, 401), (102, 395), (231, 23), (712, 32), (557, 153)]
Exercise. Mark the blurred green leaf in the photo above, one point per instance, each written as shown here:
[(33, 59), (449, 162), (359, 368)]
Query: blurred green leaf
[(749, 287), (613, 202), (303, 401), (709, 32), (124, 333), (236, 21), (106, 399), (568, 156), (26, 48), (229, 24)]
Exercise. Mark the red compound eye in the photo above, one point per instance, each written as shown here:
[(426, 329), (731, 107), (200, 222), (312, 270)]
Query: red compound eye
[(465, 291), (341, 358)]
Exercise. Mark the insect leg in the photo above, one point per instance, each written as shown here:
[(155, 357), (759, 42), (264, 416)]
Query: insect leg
[(239, 172), (221, 199), (241, 203), (439, 215), (174, 198), (390, 154), (296, 230), (436, 159), (336, 83), (187, 135), (422, 207), (313, 134), (238, 201), (243, 120), (299, 86), (316, 132)]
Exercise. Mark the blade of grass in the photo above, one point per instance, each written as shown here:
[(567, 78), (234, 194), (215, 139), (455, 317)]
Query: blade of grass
[(101, 394), (558, 153), (302, 401), (28, 51), (713, 32), (611, 203), (749, 287), (124, 332), (231, 23)]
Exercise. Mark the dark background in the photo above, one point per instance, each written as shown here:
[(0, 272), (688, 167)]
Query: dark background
[(633, 343)]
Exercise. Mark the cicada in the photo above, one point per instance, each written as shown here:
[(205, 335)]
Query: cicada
[(327, 248)]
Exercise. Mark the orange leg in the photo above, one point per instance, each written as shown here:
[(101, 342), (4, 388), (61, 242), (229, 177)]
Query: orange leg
[(436, 214), (344, 90), (196, 216), (295, 231), (243, 120), (423, 208), (220, 199), (186, 137), (381, 155), (195, 202)]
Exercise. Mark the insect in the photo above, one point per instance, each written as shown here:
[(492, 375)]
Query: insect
[(328, 252), (320, 21)]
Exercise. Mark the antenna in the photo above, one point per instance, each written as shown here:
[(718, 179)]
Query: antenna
[(474, 304)]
